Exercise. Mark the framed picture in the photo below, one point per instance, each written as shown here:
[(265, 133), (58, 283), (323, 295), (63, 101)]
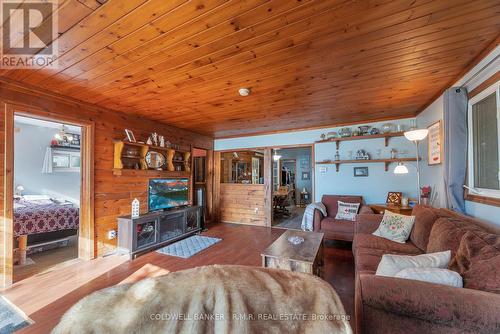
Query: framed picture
[(360, 171), (130, 135), (306, 175), (435, 150), (394, 198)]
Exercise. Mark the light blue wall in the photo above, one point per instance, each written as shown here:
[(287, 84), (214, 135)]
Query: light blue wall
[(373, 188), (434, 174), (30, 143), (299, 154)]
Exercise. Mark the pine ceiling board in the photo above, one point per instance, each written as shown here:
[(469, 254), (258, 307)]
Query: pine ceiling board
[(336, 10), (224, 70), (308, 63), (154, 53), (101, 18)]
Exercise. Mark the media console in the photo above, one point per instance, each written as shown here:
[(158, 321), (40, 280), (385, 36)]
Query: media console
[(156, 229)]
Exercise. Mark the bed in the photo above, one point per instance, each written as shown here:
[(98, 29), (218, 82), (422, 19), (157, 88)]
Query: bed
[(44, 219)]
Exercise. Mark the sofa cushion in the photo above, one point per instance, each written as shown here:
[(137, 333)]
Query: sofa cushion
[(367, 259), (374, 242), (477, 260), (424, 220), (338, 226), (395, 227), (331, 202), (446, 234), (391, 264)]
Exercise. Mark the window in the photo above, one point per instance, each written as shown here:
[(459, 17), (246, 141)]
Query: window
[(484, 143), (65, 161)]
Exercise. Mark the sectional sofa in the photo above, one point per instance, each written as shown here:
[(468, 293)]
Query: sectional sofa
[(394, 305)]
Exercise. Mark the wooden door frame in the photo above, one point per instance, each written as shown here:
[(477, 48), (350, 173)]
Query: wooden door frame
[(86, 246)]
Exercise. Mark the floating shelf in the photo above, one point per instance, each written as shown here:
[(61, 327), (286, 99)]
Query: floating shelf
[(386, 162), (386, 137)]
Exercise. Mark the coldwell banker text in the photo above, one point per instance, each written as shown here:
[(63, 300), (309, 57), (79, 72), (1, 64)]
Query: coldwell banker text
[(29, 34)]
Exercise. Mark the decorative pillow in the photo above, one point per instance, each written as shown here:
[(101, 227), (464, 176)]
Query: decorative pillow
[(347, 211), (432, 275), (477, 260), (424, 219), (391, 264), (395, 227)]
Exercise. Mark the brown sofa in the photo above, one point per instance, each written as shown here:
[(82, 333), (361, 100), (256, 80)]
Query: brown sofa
[(337, 229), (393, 305)]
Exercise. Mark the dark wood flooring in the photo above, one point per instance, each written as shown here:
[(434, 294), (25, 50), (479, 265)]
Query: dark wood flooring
[(241, 245)]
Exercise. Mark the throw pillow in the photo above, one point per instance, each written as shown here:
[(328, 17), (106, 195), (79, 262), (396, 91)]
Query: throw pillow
[(347, 211), (432, 275), (395, 227), (424, 219), (392, 264), (477, 260)]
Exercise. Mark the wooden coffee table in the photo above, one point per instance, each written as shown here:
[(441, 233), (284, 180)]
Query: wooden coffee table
[(306, 257)]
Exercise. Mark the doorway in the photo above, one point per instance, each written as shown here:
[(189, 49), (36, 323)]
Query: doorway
[(31, 234), (292, 185), (46, 201)]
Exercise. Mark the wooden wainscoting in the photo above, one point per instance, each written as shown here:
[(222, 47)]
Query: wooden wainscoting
[(243, 203)]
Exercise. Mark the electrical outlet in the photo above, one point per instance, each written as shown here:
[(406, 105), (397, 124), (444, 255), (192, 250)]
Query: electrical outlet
[(111, 234), (256, 211)]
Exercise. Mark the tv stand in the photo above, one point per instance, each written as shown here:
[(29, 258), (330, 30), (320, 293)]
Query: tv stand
[(157, 229)]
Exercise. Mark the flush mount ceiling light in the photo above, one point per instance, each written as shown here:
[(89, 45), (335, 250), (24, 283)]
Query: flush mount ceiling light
[(244, 91)]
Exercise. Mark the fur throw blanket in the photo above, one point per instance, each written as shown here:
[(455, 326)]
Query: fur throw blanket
[(212, 299)]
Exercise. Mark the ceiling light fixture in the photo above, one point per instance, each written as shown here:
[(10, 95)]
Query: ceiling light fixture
[(244, 91)]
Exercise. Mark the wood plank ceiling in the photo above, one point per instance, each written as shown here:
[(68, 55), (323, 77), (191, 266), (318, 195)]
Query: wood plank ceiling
[(308, 63)]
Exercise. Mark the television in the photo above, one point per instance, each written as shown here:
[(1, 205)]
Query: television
[(167, 193)]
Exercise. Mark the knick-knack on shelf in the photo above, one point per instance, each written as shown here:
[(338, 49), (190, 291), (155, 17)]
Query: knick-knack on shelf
[(135, 208)]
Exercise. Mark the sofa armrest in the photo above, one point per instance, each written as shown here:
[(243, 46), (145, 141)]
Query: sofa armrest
[(365, 209), (367, 223), (318, 217), (464, 309)]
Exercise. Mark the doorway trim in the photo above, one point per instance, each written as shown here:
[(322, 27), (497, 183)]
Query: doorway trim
[(86, 246)]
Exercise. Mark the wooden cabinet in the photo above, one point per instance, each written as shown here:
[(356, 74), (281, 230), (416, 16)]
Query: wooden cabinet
[(156, 229)]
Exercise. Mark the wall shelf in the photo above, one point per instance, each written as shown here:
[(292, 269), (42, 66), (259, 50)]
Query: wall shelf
[(386, 162), (131, 157), (386, 137)]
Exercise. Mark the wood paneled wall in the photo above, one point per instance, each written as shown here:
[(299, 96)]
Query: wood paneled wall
[(243, 203), (113, 194), (249, 204)]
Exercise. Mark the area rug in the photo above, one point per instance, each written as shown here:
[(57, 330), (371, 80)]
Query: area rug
[(11, 318), (189, 247)]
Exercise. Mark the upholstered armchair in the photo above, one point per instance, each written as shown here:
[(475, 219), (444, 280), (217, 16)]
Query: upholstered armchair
[(337, 229)]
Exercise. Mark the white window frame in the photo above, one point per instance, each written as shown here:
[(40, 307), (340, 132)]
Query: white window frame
[(488, 91)]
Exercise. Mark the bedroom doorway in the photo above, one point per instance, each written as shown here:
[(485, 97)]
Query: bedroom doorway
[(46, 201), (292, 185), (85, 229)]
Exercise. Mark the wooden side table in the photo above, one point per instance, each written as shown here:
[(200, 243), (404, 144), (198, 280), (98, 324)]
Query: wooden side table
[(380, 208)]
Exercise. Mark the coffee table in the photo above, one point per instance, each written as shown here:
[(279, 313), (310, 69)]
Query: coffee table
[(306, 257)]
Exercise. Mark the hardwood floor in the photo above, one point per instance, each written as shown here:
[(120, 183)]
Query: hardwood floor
[(45, 298)]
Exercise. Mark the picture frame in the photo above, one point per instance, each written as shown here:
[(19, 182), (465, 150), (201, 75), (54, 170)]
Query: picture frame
[(394, 198), (130, 136), (360, 171), (304, 164), (435, 147), (306, 175)]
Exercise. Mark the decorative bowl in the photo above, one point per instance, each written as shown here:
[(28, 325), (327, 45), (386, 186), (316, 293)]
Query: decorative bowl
[(388, 127), (295, 240)]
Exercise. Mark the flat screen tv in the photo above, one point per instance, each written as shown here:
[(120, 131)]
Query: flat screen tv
[(167, 193)]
